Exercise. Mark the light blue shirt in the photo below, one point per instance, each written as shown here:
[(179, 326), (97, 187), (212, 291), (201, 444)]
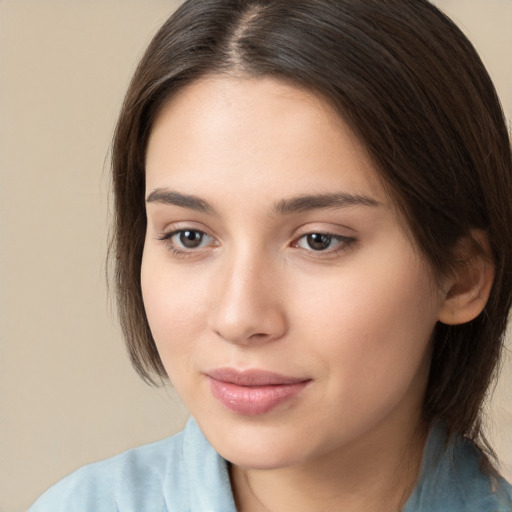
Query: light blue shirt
[(185, 474)]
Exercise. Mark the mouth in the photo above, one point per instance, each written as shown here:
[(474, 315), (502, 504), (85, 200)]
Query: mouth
[(253, 392)]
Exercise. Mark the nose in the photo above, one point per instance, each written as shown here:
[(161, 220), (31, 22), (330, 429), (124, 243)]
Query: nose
[(247, 307)]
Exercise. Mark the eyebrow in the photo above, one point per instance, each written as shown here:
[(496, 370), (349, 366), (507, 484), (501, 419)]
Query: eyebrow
[(323, 201), (284, 207), (164, 196)]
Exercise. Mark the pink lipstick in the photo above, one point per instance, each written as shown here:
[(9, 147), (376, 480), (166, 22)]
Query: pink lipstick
[(253, 392)]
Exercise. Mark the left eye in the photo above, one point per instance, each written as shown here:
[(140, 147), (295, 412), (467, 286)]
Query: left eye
[(319, 242)]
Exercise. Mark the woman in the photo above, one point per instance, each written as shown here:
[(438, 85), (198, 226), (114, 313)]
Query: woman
[(313, 241)]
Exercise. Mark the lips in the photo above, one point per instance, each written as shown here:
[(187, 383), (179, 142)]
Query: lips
[(253, 392)]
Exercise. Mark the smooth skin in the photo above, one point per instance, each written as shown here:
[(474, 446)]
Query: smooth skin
[(271, 244)]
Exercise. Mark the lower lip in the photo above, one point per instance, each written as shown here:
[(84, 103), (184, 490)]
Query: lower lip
[(254, 400)]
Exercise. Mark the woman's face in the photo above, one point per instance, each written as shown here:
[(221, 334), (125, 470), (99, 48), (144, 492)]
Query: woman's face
[(290, 309)]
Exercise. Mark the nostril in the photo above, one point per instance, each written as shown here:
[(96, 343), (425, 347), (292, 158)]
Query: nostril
[(259, 335)]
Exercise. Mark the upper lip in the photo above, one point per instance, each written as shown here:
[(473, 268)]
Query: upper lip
[(252, 377)]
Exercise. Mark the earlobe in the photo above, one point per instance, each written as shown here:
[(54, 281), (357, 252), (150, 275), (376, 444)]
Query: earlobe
[(469, 286)]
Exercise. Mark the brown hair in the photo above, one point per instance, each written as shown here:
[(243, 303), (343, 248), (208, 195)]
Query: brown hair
[(412, 88)]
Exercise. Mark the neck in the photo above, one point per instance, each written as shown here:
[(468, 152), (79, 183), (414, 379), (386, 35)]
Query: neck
[(378, 473)]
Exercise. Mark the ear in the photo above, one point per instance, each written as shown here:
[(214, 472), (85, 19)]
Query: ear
[(468, 287)]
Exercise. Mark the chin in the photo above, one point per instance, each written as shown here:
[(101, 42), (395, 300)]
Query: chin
[(259, 459), (255, 446)]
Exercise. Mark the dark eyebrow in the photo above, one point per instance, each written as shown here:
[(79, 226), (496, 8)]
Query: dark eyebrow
[(283, 207), (164, 196), (319, 201)]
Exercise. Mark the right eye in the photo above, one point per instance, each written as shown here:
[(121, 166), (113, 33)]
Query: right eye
[(187, 240)]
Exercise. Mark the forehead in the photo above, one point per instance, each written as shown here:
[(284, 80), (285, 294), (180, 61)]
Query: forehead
[(256, 130)]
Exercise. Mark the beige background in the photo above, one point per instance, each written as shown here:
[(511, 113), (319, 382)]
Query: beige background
[(68, 394)]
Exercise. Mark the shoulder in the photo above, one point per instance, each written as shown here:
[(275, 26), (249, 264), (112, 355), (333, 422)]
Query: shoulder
[(135, 475), (478, 487), (183, 473), (453, 479)]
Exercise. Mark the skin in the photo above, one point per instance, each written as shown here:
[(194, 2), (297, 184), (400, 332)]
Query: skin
[(354, 319)]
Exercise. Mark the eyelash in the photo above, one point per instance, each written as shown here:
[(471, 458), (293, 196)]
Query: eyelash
[(182, 252), (345, 243)]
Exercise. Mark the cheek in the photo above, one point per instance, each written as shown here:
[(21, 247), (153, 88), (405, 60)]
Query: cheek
[(374, 322), (173, 307)]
